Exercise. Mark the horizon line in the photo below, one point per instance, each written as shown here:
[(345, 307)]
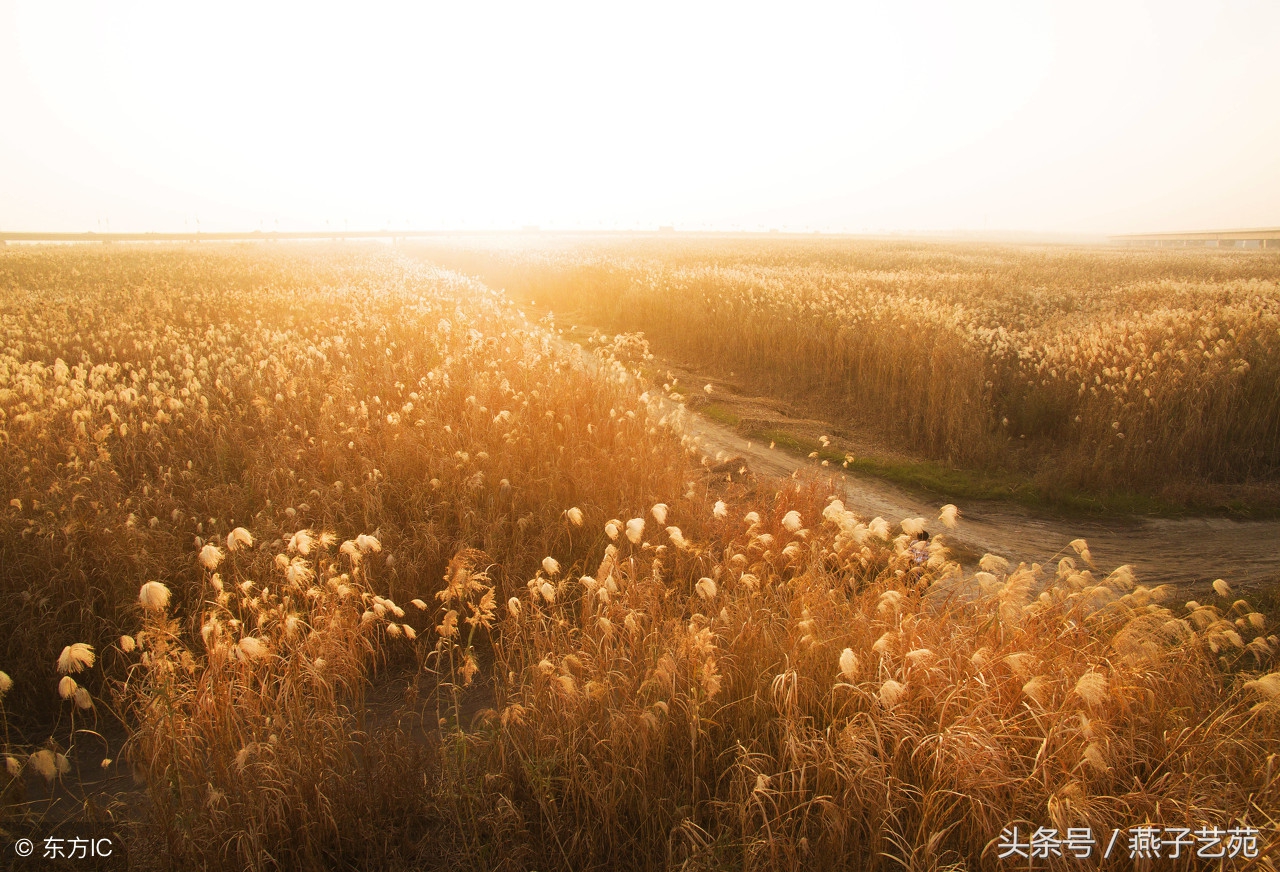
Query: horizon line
[(527, 230)]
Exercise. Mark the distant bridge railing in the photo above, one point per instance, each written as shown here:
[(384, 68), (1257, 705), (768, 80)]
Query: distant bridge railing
[(1265, 237)]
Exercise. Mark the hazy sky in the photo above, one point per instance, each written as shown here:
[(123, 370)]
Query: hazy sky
[(1040, 116)]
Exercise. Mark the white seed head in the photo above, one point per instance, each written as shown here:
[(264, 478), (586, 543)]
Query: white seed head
[(67, 687), (1093, 688), (1035, 688), (301, 542), (45, 762), (1095, 757), (154, 596), (210, 556), (919, 655), (253, 648), (75, 658), (891, 693), (239, 538), (993, 563), (848, 664), (1082, 548), (1267, 686)]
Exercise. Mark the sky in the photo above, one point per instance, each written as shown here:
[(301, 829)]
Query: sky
[(1031, 116)]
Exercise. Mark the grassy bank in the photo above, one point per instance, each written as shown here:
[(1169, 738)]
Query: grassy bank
[(368, 571), (1102, 373)]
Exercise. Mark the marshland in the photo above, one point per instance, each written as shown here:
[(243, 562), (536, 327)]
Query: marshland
[(1062, 374), (360, 556)]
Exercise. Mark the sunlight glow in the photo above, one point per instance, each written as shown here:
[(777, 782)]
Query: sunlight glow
[(1037, 116)]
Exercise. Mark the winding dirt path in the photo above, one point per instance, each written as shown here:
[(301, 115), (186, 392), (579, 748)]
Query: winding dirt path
[(1187, 552)]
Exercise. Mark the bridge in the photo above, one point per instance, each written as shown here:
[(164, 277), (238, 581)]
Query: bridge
[(1266, 237)]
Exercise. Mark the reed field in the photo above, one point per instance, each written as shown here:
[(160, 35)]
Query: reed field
[(1091, 370), (328, 558)]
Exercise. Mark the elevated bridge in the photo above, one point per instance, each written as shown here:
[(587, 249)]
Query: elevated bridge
[(1266, 237)]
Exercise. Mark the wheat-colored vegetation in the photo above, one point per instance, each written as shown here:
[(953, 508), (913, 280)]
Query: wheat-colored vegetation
[(374, 573), (1081, 369)]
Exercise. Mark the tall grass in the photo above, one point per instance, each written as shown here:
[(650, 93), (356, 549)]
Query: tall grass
[(817, 706), (1090, 368), (152, 402), (375, 573)]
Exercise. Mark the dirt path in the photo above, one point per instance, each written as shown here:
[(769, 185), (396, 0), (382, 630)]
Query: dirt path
[(1186, 552)]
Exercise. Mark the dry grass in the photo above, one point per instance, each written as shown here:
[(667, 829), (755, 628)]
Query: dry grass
[(250, 486), (152, 402), (816, 711), (1090, 369)]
